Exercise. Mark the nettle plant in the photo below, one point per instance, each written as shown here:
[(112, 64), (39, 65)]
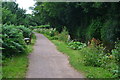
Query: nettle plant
[(26, 31), (76, 45), (13, 40)]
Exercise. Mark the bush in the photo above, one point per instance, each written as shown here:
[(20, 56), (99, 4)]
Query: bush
[(116, 55), (110, 32), (43, 26), (94, 30), (76, 45), (63, 36), (26, 31), (54, 38), (92, 56), (95, 56), (54, 34), (116, 51), (12, 40), (51, 32)]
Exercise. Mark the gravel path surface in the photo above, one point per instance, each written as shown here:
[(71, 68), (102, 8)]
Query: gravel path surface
[(47, 62)]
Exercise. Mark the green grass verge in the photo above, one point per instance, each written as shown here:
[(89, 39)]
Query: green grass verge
[(16, 67), (76, 60), (0, 65)]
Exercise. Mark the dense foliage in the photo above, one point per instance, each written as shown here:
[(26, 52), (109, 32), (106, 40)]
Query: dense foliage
[(51, 32), (64, 35), (26, 31), (83, 20), (95, 54), (97, 57), (89, 25), (76, 45), (12, 14), (13, 40)]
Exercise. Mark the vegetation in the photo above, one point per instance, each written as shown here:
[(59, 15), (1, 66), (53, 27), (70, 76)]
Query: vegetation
[(13, 40), (94, 24), (87, 32), (16, 67), (43, 26), (25, 31), (82, 20), (76, 59), (15, 50), (16, 27), (96, 58), (91, 56), (76, 45), (63, 36), (12, 14)]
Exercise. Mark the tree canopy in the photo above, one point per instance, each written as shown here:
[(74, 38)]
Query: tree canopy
[(12, 14), (83, 20)]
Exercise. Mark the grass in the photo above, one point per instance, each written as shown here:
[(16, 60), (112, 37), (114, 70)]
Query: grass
[(30, 47), (0, 65), (16, 67), (76, 59)]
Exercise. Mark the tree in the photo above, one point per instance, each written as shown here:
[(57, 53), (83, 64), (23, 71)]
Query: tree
[(12, 14)]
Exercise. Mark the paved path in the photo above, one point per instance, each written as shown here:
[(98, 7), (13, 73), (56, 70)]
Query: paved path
[(47, 62)]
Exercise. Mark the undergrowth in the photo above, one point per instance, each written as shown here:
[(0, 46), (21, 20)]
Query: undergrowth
[(16, 66)]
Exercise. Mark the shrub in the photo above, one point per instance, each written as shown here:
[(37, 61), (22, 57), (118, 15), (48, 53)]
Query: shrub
[(94, 30), (95, 56), (110, 32), (51, 32), (116, 51), (92, 56), (116, 55), (43, 26), (54, 38), (76, 45), (54, 34), (26, 31), (12, 40), (63, 36)]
